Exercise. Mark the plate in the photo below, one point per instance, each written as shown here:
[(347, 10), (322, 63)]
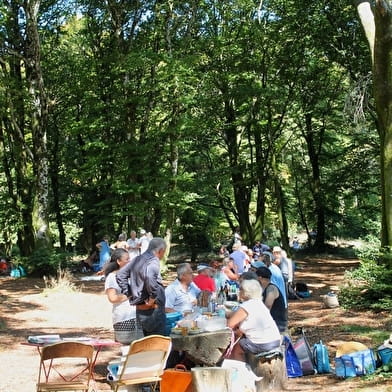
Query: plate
[(194, 331), (231, 304), (176, 331), (77, 339)]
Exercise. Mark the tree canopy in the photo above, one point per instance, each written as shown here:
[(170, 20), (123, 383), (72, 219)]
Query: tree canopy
[(187, 119)]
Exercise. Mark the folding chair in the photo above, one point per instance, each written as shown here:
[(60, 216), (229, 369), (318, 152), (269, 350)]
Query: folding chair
[(144, 362), (65, 366)]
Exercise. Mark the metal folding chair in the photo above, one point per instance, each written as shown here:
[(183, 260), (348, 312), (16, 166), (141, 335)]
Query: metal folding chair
[(65, 366)]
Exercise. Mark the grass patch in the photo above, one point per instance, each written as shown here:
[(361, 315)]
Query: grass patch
[(61, 284), (376, 335)]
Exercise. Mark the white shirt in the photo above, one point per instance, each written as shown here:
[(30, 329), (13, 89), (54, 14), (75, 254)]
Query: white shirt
[(121, 311), (133, 243), (259, 326), (144, 241)]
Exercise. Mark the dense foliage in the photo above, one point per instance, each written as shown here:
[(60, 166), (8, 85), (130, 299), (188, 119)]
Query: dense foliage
[(369, 286), (184, 118)]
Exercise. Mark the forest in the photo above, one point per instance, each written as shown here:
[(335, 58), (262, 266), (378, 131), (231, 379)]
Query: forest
[(192, 118)]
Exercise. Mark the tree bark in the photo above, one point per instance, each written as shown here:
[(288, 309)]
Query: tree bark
[(380, 20), (242, 193), (39, 116), (382, 78)]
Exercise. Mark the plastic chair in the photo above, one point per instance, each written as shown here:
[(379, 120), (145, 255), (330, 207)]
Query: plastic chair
[(65, 366), (144, 362)]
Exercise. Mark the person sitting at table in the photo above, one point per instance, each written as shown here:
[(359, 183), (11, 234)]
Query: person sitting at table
[(273, 298), (230, 269), (181, 295), (203, 280), (252, 323), (125, 325)]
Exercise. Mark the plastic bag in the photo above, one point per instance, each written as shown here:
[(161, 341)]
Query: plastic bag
[(293, 365)]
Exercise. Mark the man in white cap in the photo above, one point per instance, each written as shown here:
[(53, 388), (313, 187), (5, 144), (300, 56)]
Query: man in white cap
[(204, 280)]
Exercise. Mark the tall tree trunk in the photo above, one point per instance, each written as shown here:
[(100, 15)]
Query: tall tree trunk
[(280, 206), (261, 172), (19, 179), (382, 78), (54, 177), (316, 189), (242, 193), (39, 116), (378, 30)]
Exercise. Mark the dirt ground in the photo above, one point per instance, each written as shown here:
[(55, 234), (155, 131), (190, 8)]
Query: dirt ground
[(25, 311)]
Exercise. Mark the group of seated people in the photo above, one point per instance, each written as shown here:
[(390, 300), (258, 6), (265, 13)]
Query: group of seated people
[(262, 314)]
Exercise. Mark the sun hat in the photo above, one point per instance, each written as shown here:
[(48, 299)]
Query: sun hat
[(142, 231), (202, 267), (277, 249), (388, 342)]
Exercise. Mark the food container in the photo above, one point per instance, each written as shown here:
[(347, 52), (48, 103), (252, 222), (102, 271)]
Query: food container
[(214, 323)]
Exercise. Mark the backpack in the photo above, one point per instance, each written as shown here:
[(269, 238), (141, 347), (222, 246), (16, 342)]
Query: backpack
[(321, 358), (302, 290)]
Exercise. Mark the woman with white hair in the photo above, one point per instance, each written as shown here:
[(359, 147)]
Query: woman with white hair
[(253, 322)]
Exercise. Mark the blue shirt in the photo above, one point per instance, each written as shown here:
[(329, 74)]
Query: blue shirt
[(278, 280), (179, 299), (239, 260), (104, 253)]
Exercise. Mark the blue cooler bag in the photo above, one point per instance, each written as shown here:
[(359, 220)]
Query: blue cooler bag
[(171, 321), (385, 354), (355, 364)]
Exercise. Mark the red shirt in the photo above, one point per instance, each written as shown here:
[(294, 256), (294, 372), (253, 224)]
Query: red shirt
[(204, 282)]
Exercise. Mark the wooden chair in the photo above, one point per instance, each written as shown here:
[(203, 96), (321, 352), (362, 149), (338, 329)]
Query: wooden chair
[(65, 366), (144, 362)]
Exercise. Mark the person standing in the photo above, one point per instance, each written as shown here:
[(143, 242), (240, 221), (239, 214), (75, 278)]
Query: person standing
[(273, 299), (282, 263), (104, 251), (239, 257), (133, 245), (126, 328), (120, 243), (141, 282), (144, 241), (276, 277)]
